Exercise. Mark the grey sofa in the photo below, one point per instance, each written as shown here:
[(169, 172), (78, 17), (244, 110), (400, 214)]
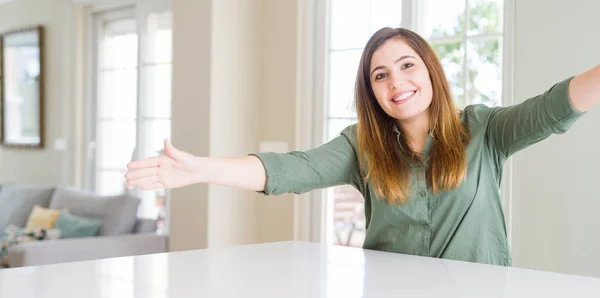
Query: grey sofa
[(121, 232)]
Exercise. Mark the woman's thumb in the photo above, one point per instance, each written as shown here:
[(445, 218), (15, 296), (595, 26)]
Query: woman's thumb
[(171, 151)]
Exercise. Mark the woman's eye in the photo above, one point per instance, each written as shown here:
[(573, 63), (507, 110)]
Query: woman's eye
[(407, 65), (379, 76)]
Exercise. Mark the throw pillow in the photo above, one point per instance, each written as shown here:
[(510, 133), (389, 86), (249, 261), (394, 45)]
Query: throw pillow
[(73, 226), (118, 214), (42, 218)]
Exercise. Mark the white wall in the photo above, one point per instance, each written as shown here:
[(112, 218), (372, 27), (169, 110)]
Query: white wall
[(278, 106), (234, 114), (47, 166), (556, 202), (190, 128), (234, 85)]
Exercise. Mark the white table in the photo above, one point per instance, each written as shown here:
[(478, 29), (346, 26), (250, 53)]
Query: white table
[(286, 269)]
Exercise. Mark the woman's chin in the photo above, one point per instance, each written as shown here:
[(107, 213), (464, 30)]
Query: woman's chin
[(410, 115)]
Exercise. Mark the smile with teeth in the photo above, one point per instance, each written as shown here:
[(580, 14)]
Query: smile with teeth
[(404, 96)]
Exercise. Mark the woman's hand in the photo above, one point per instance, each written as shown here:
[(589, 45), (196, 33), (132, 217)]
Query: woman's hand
[(174, 169)]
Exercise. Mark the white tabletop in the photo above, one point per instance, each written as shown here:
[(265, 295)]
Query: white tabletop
[(286, 269)]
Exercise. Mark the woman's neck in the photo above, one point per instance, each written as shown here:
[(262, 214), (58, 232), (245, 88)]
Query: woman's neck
[(415, 131)]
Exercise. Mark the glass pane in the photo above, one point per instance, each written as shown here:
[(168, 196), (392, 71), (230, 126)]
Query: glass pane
[(348, 216), (157, 91), (485, 71), (385, 13), (110, 183), (485, 16), (349, 24), (342, 77), (335, 127), (119, 44), (150, 203), (159, 37), (452, 56), (115, 143), (22, 85), (443, 18), (117, 93), (154, 133)]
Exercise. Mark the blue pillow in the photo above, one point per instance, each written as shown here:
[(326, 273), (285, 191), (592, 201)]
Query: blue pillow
[(73, 226)]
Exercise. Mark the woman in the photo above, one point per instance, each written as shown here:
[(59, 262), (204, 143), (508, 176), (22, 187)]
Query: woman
[(430, 174)]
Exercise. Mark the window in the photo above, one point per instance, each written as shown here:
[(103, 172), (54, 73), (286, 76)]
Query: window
[(131, 106), (470, 52), (116, 106)]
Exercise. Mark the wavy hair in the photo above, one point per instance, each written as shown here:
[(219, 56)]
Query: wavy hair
[(379, 151)]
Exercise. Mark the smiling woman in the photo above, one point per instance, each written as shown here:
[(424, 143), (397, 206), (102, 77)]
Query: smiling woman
[(413, 95), (430, 173)]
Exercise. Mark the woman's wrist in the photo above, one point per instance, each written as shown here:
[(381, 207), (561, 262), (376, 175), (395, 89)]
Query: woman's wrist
[(200, 169)]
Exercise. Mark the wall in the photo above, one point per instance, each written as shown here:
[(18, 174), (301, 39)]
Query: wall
[(556, 203), (216, 107), (47, 166), (278, 107), (190, 128), (229, 96), (234, 111)]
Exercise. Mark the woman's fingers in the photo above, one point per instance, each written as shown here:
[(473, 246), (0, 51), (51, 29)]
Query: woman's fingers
[(145, 172), (143, 181), (144, 163)]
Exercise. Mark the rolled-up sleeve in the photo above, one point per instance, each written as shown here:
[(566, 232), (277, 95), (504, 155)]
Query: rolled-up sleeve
[(331, 164), (513, 128)]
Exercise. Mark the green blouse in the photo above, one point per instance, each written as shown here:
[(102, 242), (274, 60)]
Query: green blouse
[(466, 223)]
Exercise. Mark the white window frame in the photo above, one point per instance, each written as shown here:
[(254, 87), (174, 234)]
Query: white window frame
[(109, 12), (312, 212), (139, 10)]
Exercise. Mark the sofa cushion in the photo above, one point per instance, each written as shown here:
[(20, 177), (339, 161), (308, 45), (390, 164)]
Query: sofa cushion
[(72, 226), (17, 201), (117, 214), (145, 226)]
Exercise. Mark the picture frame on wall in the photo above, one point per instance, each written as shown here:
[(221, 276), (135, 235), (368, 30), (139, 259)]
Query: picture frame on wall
[(21, 88)]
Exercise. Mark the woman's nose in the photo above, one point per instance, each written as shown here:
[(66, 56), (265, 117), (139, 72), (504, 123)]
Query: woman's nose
[(396, 82)]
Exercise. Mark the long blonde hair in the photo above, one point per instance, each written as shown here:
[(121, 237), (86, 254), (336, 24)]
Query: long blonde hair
[(387, 169)]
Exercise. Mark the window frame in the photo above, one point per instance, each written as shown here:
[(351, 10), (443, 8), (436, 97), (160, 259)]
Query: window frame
[(96, 14)]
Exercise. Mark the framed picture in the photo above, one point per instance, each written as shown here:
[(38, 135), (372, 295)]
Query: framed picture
[(21, 88)]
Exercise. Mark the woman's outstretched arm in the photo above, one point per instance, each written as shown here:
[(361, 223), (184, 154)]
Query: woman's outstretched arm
[(178, 168), (330, 164)]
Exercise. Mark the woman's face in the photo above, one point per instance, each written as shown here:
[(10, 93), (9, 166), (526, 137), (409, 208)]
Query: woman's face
[(400, 81)]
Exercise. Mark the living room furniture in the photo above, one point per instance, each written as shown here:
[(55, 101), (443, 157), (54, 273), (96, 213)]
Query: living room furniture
[(121, 232)]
